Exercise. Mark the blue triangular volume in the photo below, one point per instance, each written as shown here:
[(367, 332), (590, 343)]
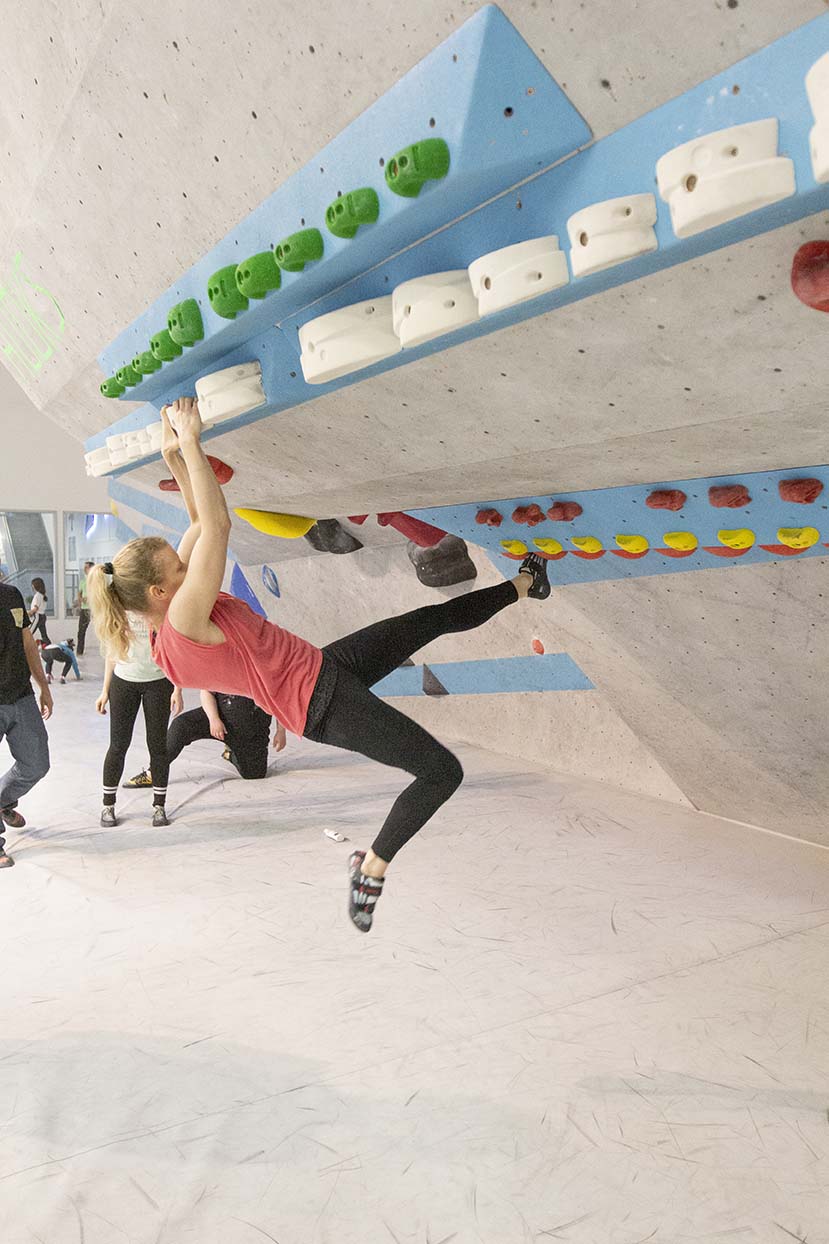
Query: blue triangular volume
[(240, 587)]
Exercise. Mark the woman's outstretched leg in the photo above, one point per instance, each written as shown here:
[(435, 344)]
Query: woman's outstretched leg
[(359, 721), (373, 652)]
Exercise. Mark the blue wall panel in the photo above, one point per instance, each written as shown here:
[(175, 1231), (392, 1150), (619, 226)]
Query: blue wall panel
[(770, 82)]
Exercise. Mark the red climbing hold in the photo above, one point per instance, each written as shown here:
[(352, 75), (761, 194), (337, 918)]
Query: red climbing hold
[(564, 511), (810, 275), (532, 515), (491, 517), (423, 534), (538, 647), (221, 470), (666, 499), (359, 519), (729, 496), (801, 491)]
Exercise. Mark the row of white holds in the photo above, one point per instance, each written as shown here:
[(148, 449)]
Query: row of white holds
[(221, 395), (706, 182)]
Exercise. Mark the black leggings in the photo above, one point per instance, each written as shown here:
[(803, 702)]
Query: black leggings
[(248, 741), (357, 720), (39, 628), (125, 698), (49, 662)]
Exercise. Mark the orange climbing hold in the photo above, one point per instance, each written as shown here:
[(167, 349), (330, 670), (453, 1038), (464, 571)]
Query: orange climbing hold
[(538, 647), (729, 496), (532, 515), (800, 491), (564, 511), (666, 499)]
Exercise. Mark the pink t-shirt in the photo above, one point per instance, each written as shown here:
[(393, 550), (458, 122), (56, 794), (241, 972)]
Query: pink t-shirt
[(273, 667)]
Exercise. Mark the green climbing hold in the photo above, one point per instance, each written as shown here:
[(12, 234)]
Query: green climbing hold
[(164, 348), (112, 387), (224, 294), (294, 252), (127, 375), (258, 275), (146, 363), (409, 170), (345, 215), (184, 323)]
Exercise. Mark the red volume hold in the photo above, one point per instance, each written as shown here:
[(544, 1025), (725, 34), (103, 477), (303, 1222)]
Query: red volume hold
[(530, 514), (729, 496), (666, 499), (810, 275), (221, 470), (564, 511), (491, 517), (801, 491)]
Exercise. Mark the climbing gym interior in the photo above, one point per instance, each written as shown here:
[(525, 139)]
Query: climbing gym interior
[(465, 295)]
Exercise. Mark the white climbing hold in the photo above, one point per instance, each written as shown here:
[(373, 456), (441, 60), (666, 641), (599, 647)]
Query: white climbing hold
[(611, 232), (721, 176), (229, 392), (514, 274), (817, 88), (429, 306), (347, 340)]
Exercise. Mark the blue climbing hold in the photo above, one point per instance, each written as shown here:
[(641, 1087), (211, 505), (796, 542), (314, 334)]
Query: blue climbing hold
[(270, 581), (240, 588)]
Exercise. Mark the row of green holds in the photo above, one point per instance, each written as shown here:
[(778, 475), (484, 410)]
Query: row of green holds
[(231, 288), (184, 328)]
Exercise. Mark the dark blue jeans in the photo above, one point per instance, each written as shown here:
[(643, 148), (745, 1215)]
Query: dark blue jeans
[(22, 727)]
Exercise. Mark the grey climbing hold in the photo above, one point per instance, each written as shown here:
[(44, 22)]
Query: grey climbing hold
[(444, 564), (329, 536), (432, 684)]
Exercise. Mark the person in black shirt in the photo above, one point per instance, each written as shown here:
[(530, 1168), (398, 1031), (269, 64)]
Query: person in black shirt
[(234, 720), (21, 722)]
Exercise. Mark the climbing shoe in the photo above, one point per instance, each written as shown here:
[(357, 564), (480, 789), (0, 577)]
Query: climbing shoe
[(537, 567), (144, 778), (108, 818), (363, 893)]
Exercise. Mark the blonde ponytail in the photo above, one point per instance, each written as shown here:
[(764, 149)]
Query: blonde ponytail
[(121, 586)]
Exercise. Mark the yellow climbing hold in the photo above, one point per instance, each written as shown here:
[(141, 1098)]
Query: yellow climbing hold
[(113, 508), (548, 546), (588, 544), (516, 547), (288, 526), (632, 544), (798, 537), (738, 538), (684, 541)]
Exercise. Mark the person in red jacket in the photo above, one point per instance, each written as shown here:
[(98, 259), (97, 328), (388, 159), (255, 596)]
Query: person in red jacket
[(207, 639)]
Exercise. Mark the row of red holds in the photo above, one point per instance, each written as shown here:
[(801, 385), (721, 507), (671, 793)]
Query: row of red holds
[(532, 515), (721, 496)]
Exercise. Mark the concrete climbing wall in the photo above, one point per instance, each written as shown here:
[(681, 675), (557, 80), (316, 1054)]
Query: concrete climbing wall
[(142, 136)]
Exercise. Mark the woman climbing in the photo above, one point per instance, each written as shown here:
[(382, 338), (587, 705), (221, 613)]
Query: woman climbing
[(205, 638)]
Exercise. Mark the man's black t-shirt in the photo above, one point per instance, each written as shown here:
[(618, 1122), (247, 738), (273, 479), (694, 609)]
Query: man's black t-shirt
[(15, 678)]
